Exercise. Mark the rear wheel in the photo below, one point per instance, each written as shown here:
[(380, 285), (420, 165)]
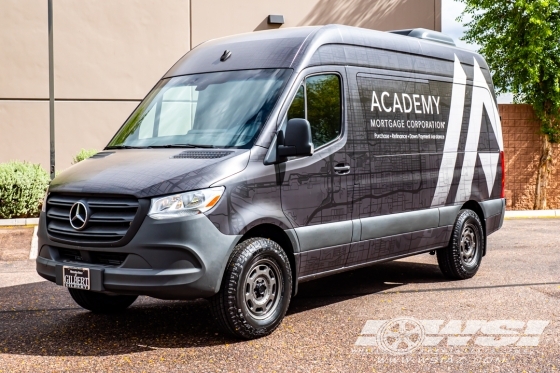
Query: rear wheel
[(101, 303), (461, 259), (256, 289)]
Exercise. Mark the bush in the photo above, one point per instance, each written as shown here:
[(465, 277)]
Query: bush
[(84, 154), (22, 188)]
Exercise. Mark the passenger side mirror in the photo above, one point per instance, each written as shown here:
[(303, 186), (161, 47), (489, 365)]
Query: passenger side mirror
[(296, 141)]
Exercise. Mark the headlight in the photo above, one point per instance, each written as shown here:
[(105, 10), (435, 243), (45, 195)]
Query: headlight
[(185, 204), (44, 206)]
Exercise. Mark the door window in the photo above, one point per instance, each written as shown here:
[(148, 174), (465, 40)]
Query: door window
[(319, 101)]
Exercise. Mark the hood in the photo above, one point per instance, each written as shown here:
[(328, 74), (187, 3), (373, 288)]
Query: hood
[(150, 172)]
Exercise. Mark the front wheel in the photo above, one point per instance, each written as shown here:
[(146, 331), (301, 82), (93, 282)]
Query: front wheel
[(461, 259), (101, 303), (256, 289)]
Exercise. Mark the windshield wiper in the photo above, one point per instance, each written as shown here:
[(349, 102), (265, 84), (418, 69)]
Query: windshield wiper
[(182, 146), (124, 147)]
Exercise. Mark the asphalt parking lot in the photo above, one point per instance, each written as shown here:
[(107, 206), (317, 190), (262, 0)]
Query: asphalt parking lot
[(505, 319)]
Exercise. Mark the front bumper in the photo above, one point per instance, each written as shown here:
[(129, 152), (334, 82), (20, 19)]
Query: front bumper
[(181, 258)]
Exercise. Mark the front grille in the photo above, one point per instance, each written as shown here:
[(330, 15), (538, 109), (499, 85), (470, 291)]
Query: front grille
[(114, 259), (70, 254), (190, 154), (108, 221), (94, 257)]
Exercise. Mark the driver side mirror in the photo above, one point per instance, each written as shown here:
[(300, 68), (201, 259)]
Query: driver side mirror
[(296, 141)]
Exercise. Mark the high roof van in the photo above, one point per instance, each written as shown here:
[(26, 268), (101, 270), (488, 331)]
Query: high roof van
[(263, 160)]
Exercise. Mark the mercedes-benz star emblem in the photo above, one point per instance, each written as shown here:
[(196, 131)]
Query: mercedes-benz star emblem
[(78, 215)]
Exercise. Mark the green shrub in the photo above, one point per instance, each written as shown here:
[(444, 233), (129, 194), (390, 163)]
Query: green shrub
[(22, 188), (84, 154)]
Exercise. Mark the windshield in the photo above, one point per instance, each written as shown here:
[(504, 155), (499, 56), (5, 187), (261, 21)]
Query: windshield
[(221, 109)]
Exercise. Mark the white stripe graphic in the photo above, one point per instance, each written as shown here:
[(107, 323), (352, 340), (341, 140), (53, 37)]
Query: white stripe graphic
[(480, 98), (447, 167)]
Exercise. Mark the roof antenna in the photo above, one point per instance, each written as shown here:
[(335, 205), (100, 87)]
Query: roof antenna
[(225, 56)]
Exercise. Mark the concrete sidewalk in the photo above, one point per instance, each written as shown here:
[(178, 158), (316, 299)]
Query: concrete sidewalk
[(18, 273)]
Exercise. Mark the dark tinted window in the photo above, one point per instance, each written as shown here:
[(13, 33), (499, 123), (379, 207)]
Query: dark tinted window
[(318, 101)]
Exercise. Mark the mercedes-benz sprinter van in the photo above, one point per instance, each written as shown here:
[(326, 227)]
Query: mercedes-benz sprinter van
[(263, 160)]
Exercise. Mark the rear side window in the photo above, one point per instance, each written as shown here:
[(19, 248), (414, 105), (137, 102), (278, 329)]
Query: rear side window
[(319, 101)]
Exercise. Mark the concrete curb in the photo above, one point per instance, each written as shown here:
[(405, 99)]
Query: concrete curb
[(18, 222), (530, 214), (34, 245)]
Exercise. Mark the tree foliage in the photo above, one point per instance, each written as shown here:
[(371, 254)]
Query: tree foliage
[(520, 40)]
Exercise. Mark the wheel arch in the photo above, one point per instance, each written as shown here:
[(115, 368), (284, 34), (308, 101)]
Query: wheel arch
[(278, 235)]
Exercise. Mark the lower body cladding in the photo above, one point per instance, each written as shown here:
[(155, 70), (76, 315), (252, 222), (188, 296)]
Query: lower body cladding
[(362, 242), (180, 258)]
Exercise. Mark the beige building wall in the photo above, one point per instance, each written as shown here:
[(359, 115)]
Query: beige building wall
[(108, 54), (24, 64), (24, 135), (116, 50), (216, 18)]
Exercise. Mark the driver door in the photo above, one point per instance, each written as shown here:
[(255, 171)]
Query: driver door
[(317, 190)]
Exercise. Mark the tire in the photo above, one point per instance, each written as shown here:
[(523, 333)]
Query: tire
[(101, 303), (461, 259), (255, 291)]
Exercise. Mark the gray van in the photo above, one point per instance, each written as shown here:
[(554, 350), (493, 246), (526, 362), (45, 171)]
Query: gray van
[(263, 160)]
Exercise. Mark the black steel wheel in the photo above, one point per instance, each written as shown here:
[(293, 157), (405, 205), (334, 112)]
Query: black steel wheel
[(461, 259), (256, 289)]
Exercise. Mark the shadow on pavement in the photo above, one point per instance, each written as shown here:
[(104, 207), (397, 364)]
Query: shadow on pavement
[(360, 282), (41, 318)]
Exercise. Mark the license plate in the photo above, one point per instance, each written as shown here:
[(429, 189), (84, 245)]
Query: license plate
[(76, 278)]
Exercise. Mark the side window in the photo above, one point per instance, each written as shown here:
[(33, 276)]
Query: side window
[(319, 101), (297, 109)]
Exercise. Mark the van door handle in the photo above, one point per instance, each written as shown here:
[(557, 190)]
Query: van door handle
[(342, 169)]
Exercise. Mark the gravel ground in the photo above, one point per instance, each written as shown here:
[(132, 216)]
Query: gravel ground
[(42, 330)]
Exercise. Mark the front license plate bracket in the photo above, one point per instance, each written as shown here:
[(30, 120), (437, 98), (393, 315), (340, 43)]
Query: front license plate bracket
[(76, 278)]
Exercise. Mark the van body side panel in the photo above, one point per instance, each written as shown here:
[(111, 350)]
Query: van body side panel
[(401, 128), (404, 222), (399, 245), (252, 198), (423, 146), (322, 260), (313, 193), (324, 235), (496, 220), (316, 198)]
